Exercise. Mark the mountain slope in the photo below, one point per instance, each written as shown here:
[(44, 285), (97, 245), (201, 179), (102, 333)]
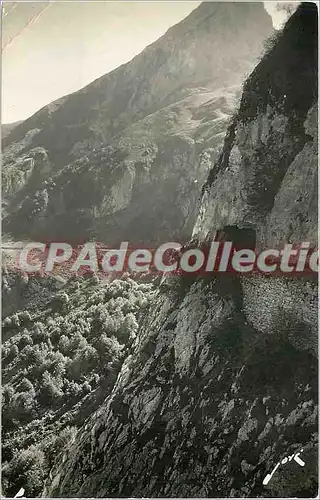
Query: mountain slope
[(222, 383), (7, 128), (139, 129), (63, 346)]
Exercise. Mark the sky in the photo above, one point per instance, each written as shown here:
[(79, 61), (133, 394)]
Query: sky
[(50, 49)]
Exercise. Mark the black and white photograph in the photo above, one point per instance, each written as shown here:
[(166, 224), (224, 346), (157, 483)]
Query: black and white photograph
[(159, 249)]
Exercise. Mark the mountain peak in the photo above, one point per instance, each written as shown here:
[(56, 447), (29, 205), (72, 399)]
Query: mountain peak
[(197, 51), (179, 90)]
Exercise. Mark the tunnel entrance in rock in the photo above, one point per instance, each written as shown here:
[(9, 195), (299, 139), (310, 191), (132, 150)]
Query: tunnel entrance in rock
[(241, 237)]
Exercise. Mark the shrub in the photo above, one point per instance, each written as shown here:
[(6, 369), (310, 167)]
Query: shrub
[(26, 386), (64, 345), (14, 351), (50, 392), (7, 323), (27, 469), (15, 320), (25, 340), (23, 406)]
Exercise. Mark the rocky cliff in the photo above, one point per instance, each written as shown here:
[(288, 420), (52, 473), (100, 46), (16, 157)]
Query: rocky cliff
[(265, 178), (120, 159), (221, 383)]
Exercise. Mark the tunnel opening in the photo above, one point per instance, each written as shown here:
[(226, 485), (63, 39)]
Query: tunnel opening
[(242, 238)]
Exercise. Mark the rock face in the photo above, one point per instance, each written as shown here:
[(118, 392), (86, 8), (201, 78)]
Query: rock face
[(126, 148), (221, 383)]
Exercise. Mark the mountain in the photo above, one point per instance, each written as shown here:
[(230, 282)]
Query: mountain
[(120, 159), (221, 383), (6, 128), (201, 386)]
